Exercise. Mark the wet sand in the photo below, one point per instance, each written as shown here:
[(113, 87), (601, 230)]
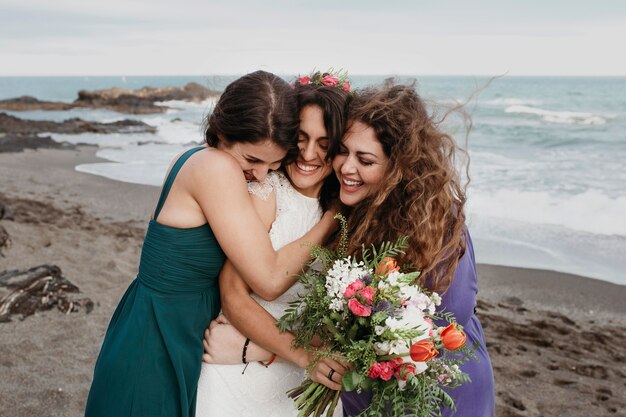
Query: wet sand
[(556, 340)]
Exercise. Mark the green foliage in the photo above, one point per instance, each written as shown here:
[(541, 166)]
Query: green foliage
[(351, 338), (351, 380), (342, 248)]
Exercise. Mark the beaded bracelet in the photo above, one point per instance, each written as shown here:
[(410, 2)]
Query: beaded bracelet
[(243, 355), (244, 351), (272, 359)]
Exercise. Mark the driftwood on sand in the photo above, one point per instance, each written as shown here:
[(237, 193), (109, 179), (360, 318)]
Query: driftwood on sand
[(37, 289), (5, 240)]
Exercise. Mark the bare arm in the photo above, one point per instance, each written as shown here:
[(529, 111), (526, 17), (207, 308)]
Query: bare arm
[(217, 184), (253, 321), (258, 325)]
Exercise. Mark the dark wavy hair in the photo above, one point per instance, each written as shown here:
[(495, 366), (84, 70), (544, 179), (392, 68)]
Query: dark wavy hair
[(334, 104), (421, 195), (255, 107)]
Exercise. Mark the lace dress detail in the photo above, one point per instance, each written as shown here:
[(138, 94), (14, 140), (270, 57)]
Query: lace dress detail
[(223, 390)]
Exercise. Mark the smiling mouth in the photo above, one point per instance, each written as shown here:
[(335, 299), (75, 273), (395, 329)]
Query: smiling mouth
[(249, 176), (350, 185), (306, 168)]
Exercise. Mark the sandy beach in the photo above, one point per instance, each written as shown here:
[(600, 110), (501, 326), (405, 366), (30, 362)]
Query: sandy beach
[(556, 340)]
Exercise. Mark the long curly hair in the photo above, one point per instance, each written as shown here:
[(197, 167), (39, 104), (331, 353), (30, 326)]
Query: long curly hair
[(421, 195)]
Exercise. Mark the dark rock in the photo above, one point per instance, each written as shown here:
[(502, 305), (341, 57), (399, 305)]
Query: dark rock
[(12, 124), (31, 103), (19, 142), (122, 100)]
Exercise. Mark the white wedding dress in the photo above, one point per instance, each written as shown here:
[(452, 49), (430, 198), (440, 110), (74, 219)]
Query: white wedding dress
[(223, 390)]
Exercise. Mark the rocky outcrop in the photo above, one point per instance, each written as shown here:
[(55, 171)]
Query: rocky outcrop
[(18, 134), (121, 100), (17, 143), (15, 125), (31, 103)]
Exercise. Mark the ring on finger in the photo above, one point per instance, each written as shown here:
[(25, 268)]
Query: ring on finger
[(331, 373)]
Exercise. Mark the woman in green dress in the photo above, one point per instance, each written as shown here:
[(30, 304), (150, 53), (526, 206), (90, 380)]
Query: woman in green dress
[(150, 359)]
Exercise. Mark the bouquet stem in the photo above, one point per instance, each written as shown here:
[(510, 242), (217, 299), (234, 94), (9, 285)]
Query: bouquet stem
[(312, 399)]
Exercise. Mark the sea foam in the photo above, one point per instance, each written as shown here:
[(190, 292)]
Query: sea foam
[(590, 211), (562, 117)]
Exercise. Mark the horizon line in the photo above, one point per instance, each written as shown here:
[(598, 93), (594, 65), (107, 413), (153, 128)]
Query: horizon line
[(291, 74)]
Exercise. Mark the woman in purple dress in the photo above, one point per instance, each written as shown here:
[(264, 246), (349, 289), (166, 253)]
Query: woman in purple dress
[(397, 172)]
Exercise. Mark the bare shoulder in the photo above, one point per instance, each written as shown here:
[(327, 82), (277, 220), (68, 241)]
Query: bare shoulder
[(212, 167), (213, 161)]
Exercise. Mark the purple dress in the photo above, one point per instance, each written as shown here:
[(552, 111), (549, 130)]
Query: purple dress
[(476, 398)]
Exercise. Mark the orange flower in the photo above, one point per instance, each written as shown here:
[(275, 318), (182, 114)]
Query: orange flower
[(423, 350), (386, 266), (452, 337)]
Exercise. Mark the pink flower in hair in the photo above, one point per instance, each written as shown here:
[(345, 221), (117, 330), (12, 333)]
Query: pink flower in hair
[(346, 86), (330, 80), (304, 80)]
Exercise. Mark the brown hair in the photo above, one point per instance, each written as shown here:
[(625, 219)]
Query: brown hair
[(255, 107), (421, 195), (333, 102)]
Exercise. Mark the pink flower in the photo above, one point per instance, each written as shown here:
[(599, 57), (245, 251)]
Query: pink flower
[(330, 80), (346, 86), (383, 370), (404, 370), (375, 370), (429, 321), (304, 80), (368, 294), (387, 372), (359, 309), (353, 288), (396, 363)]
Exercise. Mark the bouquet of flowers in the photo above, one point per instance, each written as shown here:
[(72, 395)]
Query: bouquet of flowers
[(369, 311)]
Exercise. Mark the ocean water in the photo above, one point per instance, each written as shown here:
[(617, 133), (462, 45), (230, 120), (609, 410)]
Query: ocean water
[(547, 158)]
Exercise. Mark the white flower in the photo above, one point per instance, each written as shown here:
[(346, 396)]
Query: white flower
[(336, 305), (411, 317), (392, 278), (382, 348), (401, 384), (399, 347), (436, 298), (379, 330), (341, 274), (420, 367), (416, 297)]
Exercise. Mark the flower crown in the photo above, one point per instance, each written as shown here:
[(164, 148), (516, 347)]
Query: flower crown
[(337, 79)]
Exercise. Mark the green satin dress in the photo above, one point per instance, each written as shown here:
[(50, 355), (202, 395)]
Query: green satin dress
[(150, 359)]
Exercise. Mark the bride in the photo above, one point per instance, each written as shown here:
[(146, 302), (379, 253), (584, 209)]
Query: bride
[(289, 204)]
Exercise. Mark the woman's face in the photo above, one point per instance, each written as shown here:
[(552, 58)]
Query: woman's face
[(308, 172), (256, 159), (360, 164)]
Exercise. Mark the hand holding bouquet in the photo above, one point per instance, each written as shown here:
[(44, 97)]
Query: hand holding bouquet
[(370, 312)]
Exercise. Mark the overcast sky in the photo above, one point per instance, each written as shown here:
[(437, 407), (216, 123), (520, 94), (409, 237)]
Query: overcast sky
[(199, 37)]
